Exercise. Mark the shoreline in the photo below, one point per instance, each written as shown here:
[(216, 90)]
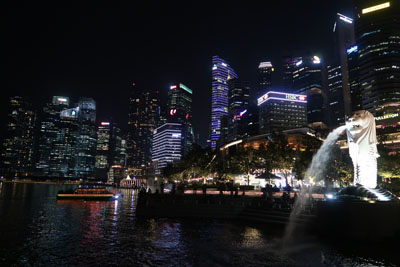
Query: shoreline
[(40, 182)]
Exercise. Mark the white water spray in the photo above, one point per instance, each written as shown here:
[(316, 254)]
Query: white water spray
[(317, 170), (323, 155)]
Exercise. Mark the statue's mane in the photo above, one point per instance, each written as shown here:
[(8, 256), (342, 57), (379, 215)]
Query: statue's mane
[(367, 134)]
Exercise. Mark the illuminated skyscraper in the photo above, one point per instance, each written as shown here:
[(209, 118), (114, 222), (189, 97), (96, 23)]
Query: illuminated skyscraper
[(289, 64), (86, 139), (308, 80), (377, 29), (180, 111), (338, 71), (264, 78), (67, 139), (238, 105), (108, 149), (354, 77), (57, 139), (167, 145), (17, 146), (282, 111), (221, 73), (143, 114)]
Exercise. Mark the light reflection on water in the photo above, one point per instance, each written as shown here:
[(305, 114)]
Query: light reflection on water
[(36, 229)]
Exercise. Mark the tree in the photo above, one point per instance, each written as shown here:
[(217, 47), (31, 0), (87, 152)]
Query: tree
[(283, 155), (243, 161)]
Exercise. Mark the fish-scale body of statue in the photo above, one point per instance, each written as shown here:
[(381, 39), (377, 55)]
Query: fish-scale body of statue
[(361, 139)]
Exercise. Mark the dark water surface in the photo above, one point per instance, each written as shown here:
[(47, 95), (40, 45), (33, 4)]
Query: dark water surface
[(38, 230)]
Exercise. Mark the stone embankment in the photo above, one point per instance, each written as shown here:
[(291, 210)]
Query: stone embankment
[(248, 208)]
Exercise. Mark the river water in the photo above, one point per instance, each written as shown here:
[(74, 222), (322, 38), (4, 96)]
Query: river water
[(38, 230)]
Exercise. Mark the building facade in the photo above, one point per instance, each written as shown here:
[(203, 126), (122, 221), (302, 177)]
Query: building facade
[(143, 114), (264, 78), (308, 79), (377, 30), (67, 139), (221, 73), (167, 145), (338, 71), (281, 111), (110, 149), (238, 106), (18, 143), (180, 111)]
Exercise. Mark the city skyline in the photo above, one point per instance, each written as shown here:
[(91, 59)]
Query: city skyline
[(99, 52)]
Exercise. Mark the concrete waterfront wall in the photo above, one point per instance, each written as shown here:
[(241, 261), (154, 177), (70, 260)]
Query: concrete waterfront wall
[(254, 209), (361, 221)]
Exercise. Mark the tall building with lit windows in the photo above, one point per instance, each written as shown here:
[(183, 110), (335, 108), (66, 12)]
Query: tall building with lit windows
[(67, 139), (180, 111), (377, 29), (281, 111), (109, 148), (238, 106), (144, 111), (335, 96), (338, 90), (264, 77), (18, 143), (57, 139), (86, 138), (167, 145), (221, 73), (308, 79)]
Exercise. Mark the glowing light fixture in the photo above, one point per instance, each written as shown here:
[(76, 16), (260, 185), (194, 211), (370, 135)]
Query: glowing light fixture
[(375, 8), (184, 87), (299, 63), (316, 60), (103, 123), (173, 87), (344, 18), (172, 112), (61, 99), (352, 49)]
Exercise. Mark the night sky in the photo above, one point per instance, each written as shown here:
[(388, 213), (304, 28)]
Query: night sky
[(98, 51)]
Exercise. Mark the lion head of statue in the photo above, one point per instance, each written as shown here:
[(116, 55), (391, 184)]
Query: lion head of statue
[(361, 127)]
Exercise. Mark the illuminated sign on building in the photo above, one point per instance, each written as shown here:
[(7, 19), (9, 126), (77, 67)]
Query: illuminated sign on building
[(316, 60), (242, 113), (387, 116), (172, 112), (103, 123), (299, 63), (352, 49), (281, 96), (173, 87), (375, 8), (61, 99), (184, 87), (344, 18), (266, 64)]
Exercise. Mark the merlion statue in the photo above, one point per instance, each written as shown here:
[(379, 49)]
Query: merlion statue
[(361, 139)]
